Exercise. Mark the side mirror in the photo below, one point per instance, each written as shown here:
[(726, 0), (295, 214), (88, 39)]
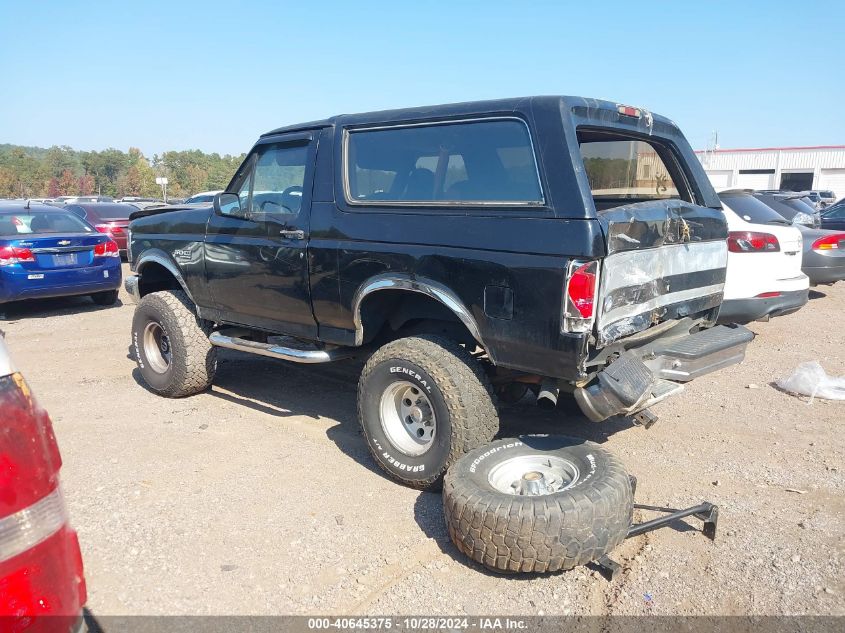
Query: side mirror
[(228, 204)]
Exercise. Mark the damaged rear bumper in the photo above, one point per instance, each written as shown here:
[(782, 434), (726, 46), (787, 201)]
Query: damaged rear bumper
[(641, 377)]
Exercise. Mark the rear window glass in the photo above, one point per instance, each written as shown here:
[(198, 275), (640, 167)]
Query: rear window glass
[(751, 209), (41, 223), (625, 170), (786, 207), (469, 162)]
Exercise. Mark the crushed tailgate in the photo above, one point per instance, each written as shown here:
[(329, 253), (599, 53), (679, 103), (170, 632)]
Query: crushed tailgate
[(667, 260)]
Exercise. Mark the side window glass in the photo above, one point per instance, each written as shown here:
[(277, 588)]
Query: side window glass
[(243, 192), (475, 162), (278, 180)]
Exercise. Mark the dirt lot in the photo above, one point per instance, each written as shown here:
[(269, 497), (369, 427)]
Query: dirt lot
[(259, 497)]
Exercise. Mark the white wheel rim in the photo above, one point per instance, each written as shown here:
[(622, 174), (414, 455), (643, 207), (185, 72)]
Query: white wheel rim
[(407, 418), (157, 347), (533, 475)]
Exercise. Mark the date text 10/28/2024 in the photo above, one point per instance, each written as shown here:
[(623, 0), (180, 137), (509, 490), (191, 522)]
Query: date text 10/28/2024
[(418, 623)]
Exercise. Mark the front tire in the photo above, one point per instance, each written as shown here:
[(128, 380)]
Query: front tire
[(423, 402), (171, 345)]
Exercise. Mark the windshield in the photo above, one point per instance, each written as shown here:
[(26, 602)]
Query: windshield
[(751, 209), (196, 199), (38, 223)]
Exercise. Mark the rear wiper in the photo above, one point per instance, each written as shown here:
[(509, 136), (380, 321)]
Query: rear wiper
[(779, 222)]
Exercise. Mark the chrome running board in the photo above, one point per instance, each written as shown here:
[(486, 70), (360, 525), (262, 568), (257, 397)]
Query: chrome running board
[(309, 356)]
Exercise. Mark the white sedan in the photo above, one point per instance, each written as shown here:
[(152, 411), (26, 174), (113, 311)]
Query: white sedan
[(764, 277)]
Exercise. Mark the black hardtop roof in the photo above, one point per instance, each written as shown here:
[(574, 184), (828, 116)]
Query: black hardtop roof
[(468, 108)]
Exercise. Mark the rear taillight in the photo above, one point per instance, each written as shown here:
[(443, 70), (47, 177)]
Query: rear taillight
[(40, 564), (12, 255), (579, 296), (29, 455), (109, 229), (830, 242), (752, 242), (107, 249)]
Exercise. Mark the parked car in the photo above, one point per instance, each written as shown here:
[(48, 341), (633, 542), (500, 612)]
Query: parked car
[(49, 252), (429, 232), (202, 197), (109, 218), (791, 207), (764, 277), (824, 255), (833, 218), (42, 585), (82, 199), (144, 204), (822, 197), (135, 199)]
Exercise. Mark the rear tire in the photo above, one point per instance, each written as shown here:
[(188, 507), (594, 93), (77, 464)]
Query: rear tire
[(171, 345), (107, 298), (423, 402)]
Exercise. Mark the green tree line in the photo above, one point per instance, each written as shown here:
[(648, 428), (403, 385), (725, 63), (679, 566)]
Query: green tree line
[(35, 172)]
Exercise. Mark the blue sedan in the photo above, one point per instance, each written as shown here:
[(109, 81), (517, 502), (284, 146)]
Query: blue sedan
[(48, 252)]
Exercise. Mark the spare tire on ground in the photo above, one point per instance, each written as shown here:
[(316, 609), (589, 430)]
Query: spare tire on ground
[(537, 503)]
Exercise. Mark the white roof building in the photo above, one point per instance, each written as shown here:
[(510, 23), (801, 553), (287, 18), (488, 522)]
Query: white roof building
[(795, 168)]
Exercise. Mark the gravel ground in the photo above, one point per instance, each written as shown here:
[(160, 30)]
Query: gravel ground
[(259, 497)]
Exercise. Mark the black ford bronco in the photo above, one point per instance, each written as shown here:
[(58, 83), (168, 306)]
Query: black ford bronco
[(558, 244)]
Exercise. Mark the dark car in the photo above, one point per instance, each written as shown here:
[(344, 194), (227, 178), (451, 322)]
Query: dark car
[(833, 218), (823, 260), (577, 242), (109, 218), (791, 207), (50, 252), (81, 199), (42, 586)]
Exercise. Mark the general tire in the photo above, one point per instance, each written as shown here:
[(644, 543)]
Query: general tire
[(458, 391), (542, 533), (107, 298), (193, 360)]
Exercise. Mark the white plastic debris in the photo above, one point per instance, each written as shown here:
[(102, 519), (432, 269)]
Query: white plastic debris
[(810, 379)]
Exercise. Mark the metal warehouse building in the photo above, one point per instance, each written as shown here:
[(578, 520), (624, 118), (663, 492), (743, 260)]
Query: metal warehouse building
[(790, 168)]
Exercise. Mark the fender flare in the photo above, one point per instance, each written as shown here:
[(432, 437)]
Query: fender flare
[(400, 281), (157, 256)]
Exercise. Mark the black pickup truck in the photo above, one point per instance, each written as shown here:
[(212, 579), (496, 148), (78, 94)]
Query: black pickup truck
[(559, 244)]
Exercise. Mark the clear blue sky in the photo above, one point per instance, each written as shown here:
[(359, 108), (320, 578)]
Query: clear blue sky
[(212, 75)]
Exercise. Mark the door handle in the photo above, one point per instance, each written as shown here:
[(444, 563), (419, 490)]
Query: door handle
[(293, 235)]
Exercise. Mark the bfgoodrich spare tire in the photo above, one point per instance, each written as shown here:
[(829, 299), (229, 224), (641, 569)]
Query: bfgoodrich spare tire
[(537, 504)]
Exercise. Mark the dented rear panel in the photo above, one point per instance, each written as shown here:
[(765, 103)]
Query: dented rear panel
[(667, 260), (664, 230)]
